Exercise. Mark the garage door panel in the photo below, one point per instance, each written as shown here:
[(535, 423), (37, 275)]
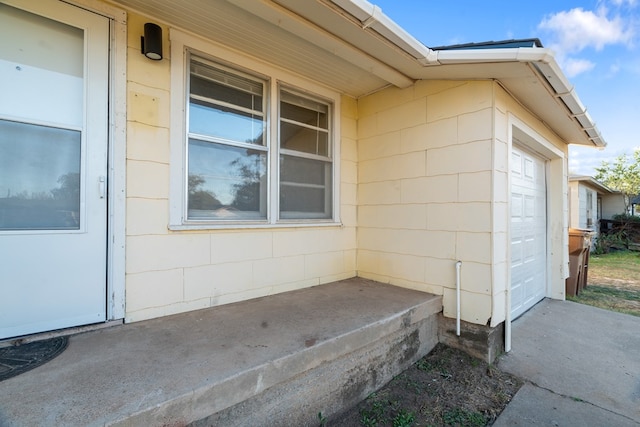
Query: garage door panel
[(516, 206), (516, 252), (528, 231), (516, 164)]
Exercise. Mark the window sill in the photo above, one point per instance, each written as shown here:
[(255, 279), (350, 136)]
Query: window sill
[(257, 226)]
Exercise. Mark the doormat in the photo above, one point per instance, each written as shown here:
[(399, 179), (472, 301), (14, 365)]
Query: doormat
[(16, 360)]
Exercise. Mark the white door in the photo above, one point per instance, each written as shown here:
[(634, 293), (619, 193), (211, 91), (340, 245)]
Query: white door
[(53, 166), (528, 231)]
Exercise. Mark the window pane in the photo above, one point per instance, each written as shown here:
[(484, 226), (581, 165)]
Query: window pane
[(226, 182), (311, 117), (39, 177), (225, 105), (303, 110), (230, 95), (293, 137), (221, 122), (305, 188), (243, 91)]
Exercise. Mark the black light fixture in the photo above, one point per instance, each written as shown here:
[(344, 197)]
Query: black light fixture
[(151, 42)]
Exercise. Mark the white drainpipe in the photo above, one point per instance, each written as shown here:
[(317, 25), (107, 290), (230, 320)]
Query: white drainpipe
[(507, 322), (458, 266)]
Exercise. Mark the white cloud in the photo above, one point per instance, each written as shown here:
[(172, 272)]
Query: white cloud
[(629, 3), (570, 32), (573, 67), (574, 30)]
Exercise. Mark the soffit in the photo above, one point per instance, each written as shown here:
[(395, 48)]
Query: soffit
[(232, 25)]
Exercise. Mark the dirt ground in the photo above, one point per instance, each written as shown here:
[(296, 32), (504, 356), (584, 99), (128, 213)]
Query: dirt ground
[(445, 388)]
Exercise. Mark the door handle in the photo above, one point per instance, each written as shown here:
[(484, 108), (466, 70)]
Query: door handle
[(102, 186)]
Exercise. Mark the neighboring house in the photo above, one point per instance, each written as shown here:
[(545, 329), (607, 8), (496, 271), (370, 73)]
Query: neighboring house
[(590, 201), (635, 205), (276, 145)]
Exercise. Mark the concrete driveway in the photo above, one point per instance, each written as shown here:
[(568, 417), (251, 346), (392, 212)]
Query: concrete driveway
[(581, 367)]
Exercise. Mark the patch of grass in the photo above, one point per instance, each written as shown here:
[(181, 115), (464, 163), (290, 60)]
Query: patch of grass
[(462, 417), (322, 419), (373, 414), (621, 265), (614, 283), (610, 298), (404, 419)]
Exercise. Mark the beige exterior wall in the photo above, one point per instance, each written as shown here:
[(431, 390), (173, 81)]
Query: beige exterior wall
[(434, 188), (169, 272), (515, 124), (425, 191), (424, 183), (613, 204)]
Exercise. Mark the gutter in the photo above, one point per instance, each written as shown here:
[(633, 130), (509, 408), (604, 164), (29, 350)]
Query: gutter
[(371, 16), (565, 92), (542, 60)]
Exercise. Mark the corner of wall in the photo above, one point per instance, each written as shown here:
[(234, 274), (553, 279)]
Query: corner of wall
[(480, 341)]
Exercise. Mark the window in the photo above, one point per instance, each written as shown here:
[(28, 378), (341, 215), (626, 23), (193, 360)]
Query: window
[(305, 165), (256, 149), (589, 209), (227, 151)]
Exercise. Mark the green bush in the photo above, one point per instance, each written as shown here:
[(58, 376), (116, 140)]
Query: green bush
[(605, 243), (626, 218)]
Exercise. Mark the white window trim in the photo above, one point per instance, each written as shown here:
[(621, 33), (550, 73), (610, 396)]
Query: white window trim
[(180, 43)]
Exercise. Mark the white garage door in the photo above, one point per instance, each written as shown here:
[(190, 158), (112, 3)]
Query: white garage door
[(528, 231)]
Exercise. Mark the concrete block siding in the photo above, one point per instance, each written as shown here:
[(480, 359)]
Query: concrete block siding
[(434, 188), (424, 182), (169, 272), (425, 190)]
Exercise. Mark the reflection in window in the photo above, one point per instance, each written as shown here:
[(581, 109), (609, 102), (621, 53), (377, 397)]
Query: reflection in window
[(39, 177), (225, 106), (227, 154), (226, 182)]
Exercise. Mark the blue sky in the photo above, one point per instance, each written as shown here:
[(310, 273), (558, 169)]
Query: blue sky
[(597, 44)]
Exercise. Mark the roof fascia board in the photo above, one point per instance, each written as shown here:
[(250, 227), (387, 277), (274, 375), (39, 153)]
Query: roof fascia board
[(474, 56), (371, 16), (589, 180), (295, 24)]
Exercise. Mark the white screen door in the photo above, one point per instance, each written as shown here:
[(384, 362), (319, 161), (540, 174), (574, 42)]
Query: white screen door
[(53, 165)]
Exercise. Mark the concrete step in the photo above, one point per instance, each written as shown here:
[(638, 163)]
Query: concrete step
[(278, 360)]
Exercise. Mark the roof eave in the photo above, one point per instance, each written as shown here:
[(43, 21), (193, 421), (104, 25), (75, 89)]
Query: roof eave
[(592, 182), (544, 62)]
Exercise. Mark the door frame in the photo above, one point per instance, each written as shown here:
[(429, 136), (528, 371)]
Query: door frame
[(557, 224), (116, 156)]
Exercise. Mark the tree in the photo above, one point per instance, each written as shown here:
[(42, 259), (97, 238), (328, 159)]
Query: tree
[(623, 174), (201, 199)]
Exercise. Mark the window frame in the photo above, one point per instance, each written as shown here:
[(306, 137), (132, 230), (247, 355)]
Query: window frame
[(275, 80), (327, 159)]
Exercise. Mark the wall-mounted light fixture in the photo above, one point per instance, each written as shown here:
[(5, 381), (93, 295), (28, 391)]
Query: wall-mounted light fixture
[(151, 42)]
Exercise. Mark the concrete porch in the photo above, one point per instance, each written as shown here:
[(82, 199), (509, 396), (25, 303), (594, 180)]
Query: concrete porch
[(278, 360)]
